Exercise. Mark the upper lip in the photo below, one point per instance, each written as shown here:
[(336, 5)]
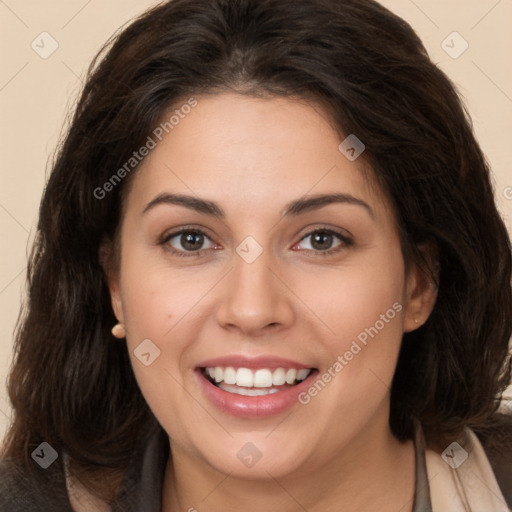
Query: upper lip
[(241, 361)]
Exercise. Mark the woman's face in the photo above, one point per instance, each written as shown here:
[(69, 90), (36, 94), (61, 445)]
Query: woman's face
[(270, 284)]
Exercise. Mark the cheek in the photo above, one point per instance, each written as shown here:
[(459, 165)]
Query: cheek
[(158, 306), (155, 294), (363, 307), (354, 298), (161, 303)]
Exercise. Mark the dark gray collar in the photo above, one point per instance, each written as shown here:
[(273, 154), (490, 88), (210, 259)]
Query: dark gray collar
[(422, 501), (141, 490)]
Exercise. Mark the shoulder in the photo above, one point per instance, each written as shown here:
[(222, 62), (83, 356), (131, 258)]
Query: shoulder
[(30, 491), (496, 441), (16, 493)]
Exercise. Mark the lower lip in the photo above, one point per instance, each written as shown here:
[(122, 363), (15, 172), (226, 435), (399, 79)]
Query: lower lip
[(254, 406)]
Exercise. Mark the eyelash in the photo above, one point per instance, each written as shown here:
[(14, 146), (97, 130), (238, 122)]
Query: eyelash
[(346, 242)]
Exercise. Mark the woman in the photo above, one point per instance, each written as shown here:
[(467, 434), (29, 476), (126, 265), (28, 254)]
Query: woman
[(269, 275)]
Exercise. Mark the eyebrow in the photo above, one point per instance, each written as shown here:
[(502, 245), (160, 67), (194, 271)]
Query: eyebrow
[(294, 208)]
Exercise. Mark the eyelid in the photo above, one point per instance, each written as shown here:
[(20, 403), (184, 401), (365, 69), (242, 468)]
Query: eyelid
[(342, 233), (345, 239), (164, 240)]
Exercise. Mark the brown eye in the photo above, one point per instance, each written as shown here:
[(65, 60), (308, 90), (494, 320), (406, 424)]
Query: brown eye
[(322, 240), (325, 241), (187, 241), (191, 241)]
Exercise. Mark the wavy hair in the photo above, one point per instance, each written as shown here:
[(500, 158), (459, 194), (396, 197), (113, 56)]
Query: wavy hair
[(72, 385)]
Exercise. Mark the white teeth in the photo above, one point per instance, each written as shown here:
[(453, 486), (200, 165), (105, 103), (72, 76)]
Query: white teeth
[(244, 377), (248, 391), (230, 375), (302, 374), (261, 378), (291, 375), (279, 377)]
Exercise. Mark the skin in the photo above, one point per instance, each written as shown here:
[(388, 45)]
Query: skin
[(253, 156)]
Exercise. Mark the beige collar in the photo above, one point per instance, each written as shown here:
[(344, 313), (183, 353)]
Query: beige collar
[(461, 478)]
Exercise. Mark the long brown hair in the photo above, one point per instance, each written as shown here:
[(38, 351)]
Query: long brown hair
[(72, 385)]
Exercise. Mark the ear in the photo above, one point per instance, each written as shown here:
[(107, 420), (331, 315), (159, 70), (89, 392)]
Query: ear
[(106, 257), (421, 287)]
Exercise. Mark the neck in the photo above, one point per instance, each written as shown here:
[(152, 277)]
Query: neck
[(376, 472)]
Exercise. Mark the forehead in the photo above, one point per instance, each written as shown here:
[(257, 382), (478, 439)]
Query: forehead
[(249, 152)]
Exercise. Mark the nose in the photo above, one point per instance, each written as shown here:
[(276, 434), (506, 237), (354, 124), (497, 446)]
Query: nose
[(255, 299)]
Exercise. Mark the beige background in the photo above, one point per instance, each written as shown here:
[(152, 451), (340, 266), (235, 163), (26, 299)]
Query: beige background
[(36, 93)]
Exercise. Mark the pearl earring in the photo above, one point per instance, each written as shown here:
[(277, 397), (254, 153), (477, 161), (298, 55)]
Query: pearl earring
[(415, 320), (118, 331)]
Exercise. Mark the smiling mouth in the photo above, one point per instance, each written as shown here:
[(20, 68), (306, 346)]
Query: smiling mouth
[(260, 382)]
